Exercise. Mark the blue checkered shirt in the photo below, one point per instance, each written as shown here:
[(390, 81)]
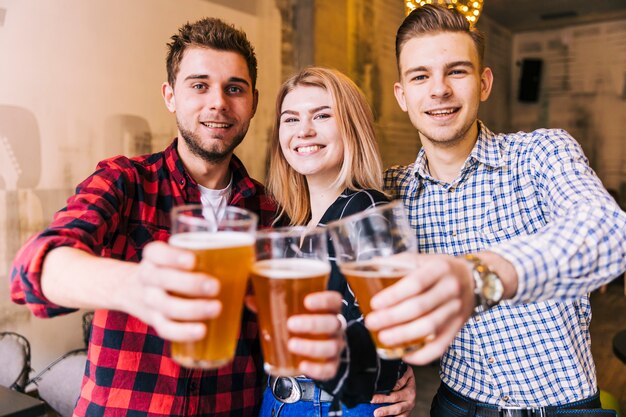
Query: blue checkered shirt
[(533, 199)]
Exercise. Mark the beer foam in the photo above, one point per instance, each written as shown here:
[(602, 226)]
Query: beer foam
[(291, 268), (376, 269), (208, 240)]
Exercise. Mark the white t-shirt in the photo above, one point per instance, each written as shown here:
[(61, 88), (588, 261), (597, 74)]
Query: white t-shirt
[(215, 200)]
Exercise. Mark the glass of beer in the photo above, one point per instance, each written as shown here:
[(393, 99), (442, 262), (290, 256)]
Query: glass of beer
[(290, 263), (224, 247), (367, 245)]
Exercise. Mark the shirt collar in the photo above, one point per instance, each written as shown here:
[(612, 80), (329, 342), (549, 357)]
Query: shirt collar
[(486, 151), (243, 185)]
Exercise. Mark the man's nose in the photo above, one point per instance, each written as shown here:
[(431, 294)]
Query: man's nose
[(440, 87), (217, 100)]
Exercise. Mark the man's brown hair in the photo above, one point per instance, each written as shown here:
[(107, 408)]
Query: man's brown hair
[(431, 19), (209, 33)]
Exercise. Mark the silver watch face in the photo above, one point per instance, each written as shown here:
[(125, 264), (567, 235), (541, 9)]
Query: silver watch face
[(492, 288)]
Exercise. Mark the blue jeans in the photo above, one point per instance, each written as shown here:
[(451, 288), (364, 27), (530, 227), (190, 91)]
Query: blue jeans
[(271, 407)]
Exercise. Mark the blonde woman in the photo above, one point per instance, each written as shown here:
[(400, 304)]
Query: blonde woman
[(324, 165)]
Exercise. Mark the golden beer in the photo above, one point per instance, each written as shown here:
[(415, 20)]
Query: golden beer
[(227, 256), (280, 286), (368, 278)]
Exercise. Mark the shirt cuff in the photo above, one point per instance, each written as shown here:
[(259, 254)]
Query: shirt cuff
[(534, 264)]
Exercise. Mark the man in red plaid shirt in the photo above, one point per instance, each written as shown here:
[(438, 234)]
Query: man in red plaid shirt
[(106, 250)]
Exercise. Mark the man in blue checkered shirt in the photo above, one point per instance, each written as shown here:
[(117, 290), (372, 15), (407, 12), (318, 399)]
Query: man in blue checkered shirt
[(517, 229)]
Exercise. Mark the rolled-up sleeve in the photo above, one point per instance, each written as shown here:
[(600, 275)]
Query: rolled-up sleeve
[(583, 244), (86, 223)]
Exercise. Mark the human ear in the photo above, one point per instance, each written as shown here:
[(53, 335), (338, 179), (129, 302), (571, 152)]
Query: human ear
[(167, 91), (486, 82), (398, 91)]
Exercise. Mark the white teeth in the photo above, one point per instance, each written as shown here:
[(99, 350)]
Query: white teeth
[(215, 125), (308, 149), (441, 112)]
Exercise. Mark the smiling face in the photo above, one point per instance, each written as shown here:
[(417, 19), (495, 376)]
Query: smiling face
[(309, 135), (441, 86), (214, 101)]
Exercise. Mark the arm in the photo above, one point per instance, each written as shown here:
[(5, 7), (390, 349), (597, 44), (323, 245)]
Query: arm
[(141, 290), (59, 270), (580, 248)]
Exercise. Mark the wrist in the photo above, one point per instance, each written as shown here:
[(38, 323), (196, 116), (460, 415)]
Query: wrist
[(488, 286)]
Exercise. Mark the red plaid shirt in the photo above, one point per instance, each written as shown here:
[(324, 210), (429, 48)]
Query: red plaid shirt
[(115, 212)]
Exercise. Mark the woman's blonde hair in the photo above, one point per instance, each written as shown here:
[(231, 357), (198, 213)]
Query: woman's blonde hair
[(361, 167)]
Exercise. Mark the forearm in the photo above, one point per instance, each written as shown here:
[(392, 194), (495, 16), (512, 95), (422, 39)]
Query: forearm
[(571, 256), (73, 278)]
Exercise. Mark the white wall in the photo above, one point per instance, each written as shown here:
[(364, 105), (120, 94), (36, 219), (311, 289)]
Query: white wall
[(68, 70), (583, 90)]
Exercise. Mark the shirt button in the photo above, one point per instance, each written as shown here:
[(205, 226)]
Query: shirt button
[(506, 398), (477, 318), (491, 360), (454, 233), (182, 181), (451, 189)]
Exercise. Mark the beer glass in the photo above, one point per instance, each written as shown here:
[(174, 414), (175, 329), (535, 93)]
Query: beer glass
[(367, 245), (290, 263), (224, 249)]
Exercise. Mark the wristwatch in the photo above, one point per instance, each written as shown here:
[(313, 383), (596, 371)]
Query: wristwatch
[(488, 287)]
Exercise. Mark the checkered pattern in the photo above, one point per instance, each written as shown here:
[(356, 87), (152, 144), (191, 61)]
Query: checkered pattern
[(532, 198), (119, 209)]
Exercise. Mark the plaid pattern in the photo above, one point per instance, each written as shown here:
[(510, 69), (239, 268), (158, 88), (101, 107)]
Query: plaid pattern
[(533, 199), (115, 212)]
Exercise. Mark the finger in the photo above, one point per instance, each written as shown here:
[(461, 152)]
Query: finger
[(436, 347), (317, 324), (193, 284), (446, 289), (430, 324), (177, 331), (316, 349), (410, 382), (320, 371), (406, 311), (414, 283), (162, 254), (323, 301), (397, 409), (176, 308), (405, 379), (392, 397)]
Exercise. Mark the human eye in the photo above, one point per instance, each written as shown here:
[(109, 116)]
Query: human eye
[(289, 119), (234, 89), (199, 86), (458, 71), (419, 77), (322, 116)]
